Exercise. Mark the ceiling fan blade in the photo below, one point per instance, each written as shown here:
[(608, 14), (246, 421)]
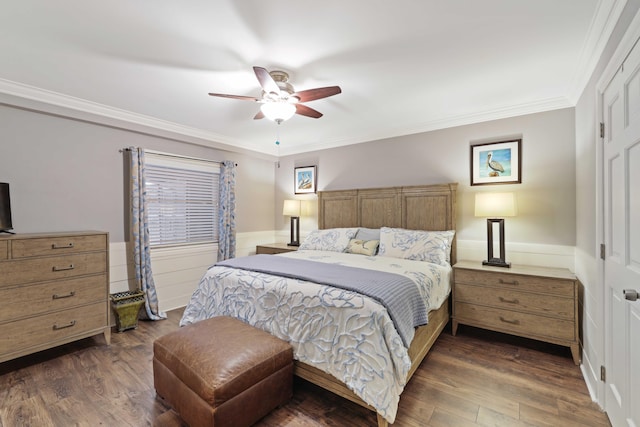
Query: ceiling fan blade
[(318, 93), (303, 110), (244, 98), (266, 81), (259, 116)]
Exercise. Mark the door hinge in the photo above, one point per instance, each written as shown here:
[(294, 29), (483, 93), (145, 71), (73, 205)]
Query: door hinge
[(603, 374), (601, 130), (602, 251)]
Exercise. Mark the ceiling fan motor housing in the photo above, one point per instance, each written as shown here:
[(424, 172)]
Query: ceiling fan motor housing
[(279, 98), (282, 80)]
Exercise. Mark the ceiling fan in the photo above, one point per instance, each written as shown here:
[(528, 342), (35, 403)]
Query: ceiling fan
[(279, 100)]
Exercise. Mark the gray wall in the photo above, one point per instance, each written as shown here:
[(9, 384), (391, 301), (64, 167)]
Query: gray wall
[(68, 175), (546, 197)]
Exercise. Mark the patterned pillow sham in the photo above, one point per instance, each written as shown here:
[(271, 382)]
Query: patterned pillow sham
[(429, 246), (332, 239), (363, 247)]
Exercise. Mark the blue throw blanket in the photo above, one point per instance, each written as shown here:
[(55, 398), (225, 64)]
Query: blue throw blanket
[(397, 293)]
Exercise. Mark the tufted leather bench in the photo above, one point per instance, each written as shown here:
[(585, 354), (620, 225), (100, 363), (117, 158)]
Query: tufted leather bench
[(222, 372)]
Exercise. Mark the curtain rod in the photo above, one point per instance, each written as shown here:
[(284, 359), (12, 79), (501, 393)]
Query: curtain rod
[(160, 153)]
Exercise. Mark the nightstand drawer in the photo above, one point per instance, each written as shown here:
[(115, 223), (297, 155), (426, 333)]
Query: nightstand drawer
[(513, 300), (518, 282), (514, 322)]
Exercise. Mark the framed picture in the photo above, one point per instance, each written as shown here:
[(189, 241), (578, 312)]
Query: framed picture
[(304, 179), (496, 163)]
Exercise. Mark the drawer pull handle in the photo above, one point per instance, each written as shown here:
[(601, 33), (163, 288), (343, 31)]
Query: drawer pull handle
[(513, 322), (70, 267), (509, 301), (504, 282), (68, 325), (69, 295), (67, 246)]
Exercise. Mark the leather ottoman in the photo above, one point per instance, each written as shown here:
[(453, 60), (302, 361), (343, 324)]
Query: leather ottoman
[(222, 372)]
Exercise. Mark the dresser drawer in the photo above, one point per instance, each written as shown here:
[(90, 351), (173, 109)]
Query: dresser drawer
[(23, 334), (16, 272), (520, 282), (52, 296), (519, 301), (4, 251), (24, 248), (514, 322)]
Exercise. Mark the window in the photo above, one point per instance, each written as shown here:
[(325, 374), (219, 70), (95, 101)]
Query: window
[(182, 200)]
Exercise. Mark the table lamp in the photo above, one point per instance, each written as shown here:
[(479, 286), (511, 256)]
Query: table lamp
[(292, 208), (495, 206)]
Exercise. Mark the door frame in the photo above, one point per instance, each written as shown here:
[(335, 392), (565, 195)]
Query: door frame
[(625, 46)]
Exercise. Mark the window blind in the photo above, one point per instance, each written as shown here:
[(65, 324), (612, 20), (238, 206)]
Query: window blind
[(182, 200)]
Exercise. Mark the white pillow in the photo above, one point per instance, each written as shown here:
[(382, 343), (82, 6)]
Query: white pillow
[(331, 239), (429, 246)]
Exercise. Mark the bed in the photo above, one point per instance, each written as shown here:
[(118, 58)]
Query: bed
[(345, 342)]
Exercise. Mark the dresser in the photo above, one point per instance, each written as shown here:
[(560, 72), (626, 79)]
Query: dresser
[(533, 302), (275, 248), (54, 289)]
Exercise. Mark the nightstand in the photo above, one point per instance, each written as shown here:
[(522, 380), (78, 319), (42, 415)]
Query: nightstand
[(275, 248), (533, 302)]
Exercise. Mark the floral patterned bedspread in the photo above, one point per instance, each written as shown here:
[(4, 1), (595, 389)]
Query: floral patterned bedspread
[(340, 332)]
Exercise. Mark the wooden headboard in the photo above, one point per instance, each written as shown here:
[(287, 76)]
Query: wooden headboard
[(419, 207)]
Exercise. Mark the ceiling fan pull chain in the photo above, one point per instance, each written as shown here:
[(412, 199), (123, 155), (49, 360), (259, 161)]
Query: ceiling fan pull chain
[(278, 145)]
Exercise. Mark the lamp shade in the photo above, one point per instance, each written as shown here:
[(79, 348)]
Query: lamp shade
[(496, 205), (278, 111), (291, 208)]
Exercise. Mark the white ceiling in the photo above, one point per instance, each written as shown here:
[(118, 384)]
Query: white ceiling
[(404, 66)]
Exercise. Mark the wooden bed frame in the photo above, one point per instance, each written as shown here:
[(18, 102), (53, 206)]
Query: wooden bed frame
[(424, 207)]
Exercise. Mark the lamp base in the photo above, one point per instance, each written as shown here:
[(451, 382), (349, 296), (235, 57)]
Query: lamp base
[(497, 262), (295, 231)]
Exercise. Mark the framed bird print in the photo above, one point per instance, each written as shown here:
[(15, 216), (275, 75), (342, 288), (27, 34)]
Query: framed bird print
[(304, 180), (496, 163)]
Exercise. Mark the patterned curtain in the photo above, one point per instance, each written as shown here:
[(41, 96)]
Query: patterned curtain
[(227, 212), (140, 236)]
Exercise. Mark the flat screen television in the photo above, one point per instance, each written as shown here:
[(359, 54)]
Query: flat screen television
[(5, 208)]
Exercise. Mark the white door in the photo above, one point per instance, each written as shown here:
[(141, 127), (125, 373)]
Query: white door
[(621, 102)]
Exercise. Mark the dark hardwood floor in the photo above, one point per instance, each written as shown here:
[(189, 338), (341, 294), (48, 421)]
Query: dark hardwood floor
[(477, 378)]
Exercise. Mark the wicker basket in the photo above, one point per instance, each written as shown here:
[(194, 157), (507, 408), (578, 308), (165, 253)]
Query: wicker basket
[(126, 306)]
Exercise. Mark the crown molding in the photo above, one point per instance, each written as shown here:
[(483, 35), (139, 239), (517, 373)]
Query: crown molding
[(31, 98), (443, 123), (600, 30)]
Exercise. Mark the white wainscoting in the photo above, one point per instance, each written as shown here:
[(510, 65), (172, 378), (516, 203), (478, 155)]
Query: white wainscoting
[(177, 271), (521, 253), (121, 273)]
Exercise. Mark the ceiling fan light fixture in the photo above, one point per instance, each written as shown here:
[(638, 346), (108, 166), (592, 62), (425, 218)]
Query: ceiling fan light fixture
[(278, 111)]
